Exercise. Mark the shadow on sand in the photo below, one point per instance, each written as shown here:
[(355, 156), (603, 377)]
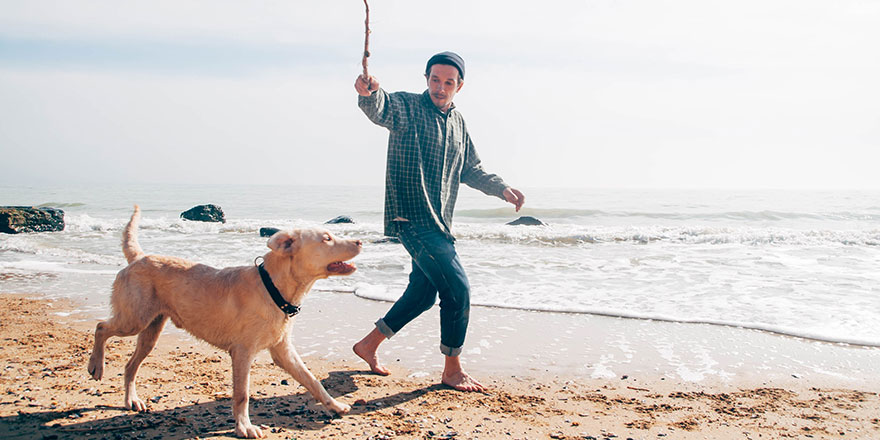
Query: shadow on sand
[(291, 413)]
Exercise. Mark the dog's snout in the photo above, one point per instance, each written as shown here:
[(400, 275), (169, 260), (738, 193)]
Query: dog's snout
[(359, 243)]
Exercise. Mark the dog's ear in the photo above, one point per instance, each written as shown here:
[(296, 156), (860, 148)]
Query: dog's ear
[(284, 243)]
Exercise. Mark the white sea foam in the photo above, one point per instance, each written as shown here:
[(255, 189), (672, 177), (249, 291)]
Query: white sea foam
[(56, 251), (44, 266), (563, 214), (551, 235), (573, 235), (87, 223), (846, 330)]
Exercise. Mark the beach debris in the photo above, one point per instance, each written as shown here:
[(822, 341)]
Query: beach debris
[(338, 220), (19, 219), (268, 232), (204, 213), (527, 220)]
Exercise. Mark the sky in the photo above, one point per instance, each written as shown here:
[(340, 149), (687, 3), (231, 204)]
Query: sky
[(700, 94)]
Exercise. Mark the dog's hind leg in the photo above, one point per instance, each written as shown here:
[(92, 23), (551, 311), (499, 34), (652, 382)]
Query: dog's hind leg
[(145, 343), (128, 320), (286, 357), (242, 358), (104, 331)]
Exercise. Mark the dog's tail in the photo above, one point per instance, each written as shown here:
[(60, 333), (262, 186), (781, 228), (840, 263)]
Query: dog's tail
[(130, 246)]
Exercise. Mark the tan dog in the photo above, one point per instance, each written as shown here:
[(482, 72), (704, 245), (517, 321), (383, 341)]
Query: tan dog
[(229, 308)]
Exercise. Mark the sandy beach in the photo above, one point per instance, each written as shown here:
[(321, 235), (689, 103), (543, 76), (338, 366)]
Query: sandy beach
[(46, 392)]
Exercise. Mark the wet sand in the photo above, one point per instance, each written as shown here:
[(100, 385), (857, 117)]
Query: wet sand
[(47, 393)]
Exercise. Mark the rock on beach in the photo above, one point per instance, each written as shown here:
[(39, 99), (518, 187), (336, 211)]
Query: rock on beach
[(268, 232), (204, 213), (340, 219), (18, 219), (527, 221)]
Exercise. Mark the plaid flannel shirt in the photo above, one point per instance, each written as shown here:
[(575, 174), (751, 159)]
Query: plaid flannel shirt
[(429, 153)]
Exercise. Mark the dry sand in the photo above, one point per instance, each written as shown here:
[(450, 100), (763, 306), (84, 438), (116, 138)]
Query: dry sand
[(47, 394)]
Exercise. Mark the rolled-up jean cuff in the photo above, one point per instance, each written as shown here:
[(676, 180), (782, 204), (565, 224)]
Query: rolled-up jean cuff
[(448, 351), (384, 329)]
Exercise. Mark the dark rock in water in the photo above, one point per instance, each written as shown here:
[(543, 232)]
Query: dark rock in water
[(17, 219), (268, 232), (394, 240), (340, 219), (204, 213), (527, 221)]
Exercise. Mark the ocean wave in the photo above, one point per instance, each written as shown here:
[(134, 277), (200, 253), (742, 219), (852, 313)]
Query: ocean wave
[(552, 235), (67, 254), (780, 330), (573, 235), (61, 205), (551, 214), (87, 223), (557, 234), (30, 266), (377, 293), (505, 213)]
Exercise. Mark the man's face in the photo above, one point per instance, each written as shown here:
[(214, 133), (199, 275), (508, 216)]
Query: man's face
[(443, 84)]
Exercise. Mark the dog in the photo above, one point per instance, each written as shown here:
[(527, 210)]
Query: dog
[(229, 308)]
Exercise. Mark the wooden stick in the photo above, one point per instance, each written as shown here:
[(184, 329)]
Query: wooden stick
[(366, 40), (637, 389)]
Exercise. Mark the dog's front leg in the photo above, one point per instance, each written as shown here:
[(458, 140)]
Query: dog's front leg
[(286, 357), (242, 358)]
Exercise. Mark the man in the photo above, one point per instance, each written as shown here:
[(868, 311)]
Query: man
[(429, 153)]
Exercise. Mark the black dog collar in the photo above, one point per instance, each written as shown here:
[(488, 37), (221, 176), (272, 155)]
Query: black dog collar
[(289, 309)]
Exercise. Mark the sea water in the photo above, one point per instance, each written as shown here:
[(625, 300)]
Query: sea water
[(798, 263)]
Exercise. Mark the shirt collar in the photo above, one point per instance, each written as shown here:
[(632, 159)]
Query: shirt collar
[(426, 99)]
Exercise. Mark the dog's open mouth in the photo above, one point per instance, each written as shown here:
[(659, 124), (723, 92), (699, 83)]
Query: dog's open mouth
[(341, 268)]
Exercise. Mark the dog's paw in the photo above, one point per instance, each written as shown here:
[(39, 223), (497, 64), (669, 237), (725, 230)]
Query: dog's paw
[(135, 404), (339, 407), (246, 430), (96, 367)]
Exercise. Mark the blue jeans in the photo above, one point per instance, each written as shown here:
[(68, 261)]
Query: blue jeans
[(436, 269)]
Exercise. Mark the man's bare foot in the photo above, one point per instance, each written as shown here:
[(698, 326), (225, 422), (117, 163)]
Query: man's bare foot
[(366, 350), (370, 358), (462, 381), (455, 377)]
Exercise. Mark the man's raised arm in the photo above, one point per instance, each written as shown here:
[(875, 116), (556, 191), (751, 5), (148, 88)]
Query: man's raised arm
[(377, 104)]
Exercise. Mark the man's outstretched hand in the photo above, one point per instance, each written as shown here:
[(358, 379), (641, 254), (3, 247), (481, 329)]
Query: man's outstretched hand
[(515, 197), (365, 86)]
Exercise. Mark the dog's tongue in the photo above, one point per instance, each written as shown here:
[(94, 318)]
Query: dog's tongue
[(340, 267)]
